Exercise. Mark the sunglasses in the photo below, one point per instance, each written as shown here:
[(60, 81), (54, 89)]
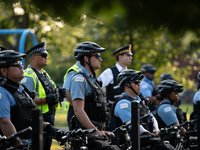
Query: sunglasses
[(136, 82), (98, 56), (151, 72), (16, 64), (42, 55)]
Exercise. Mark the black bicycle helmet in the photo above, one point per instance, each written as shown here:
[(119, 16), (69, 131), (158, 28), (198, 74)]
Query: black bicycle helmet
[(2, 48), (9, 56), (166, 76), (87, 48), (169, 86), (128, 75), (148, 67)]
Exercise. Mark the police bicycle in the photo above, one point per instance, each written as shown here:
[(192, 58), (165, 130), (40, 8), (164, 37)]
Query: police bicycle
[(122, 137), (76, 139), (7, 142), (179, 141)]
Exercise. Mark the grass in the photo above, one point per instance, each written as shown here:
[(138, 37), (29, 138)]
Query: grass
[(61, 120)]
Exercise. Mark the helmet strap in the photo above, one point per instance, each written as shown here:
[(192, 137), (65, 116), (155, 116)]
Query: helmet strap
[(129, 85), (89, 64)]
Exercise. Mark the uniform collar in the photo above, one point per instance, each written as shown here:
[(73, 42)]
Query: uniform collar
[(42, 72), (166, 100), (120, 69), (83, 69), (78, 64), (124, 94)]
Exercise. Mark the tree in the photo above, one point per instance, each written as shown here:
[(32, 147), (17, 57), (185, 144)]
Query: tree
[(158, 47), (176, 15)]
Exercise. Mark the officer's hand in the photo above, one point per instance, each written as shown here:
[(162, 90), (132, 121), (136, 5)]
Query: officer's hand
[(156, 132), (62, 92), (54, 132), (59, 134), (52, 98)]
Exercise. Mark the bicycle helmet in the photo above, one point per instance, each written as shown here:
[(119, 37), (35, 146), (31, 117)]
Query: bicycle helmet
[(87, 48), (198, 76), (166, 76), (9, 56), (128, 75), (148, 67), (169, 86), (2, 48)]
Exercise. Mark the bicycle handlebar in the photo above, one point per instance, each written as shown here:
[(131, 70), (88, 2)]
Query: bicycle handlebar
[(19, 133)]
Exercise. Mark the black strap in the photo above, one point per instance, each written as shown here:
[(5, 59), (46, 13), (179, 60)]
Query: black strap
[(40, 78), (115, 73)]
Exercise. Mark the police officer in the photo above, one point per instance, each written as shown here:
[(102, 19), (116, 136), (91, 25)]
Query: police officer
[(48, 96), (16, 102), (130, 81), (72, 70), (109, 76), (148, 87), (167, 114), (89, 101), (165, 76)]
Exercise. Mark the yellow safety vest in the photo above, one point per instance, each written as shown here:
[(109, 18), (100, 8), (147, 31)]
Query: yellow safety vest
[(39, 89), (75, 68)]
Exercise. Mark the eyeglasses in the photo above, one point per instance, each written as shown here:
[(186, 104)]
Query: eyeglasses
[(98, 56), (16, 64), (151, 72), (136, 82), (43, 55)]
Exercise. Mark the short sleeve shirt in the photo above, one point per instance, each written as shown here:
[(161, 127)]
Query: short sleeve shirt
[(146, 89), (28, 82), (79, 87), (69, 76), (6, 101), (196, 97), (167, 112), (123, 108)]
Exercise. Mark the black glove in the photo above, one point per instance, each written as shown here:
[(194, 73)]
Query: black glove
[(62, 92), (52, 98), (54, 132)]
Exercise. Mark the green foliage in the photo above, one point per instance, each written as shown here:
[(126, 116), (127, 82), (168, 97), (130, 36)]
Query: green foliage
[(158, 47)]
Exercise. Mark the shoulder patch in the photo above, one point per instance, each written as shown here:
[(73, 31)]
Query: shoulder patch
[(123, 105), (79, 79), (167, 109), (0, 95), (24, 80)]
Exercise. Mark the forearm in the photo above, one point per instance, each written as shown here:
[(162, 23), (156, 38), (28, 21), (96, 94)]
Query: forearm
[(84, 119), (40, 101), (69, 99), (8, 129), (155, 124), (153, 100)]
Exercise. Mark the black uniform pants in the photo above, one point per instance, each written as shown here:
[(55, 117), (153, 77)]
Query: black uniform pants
[(70, 113)]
